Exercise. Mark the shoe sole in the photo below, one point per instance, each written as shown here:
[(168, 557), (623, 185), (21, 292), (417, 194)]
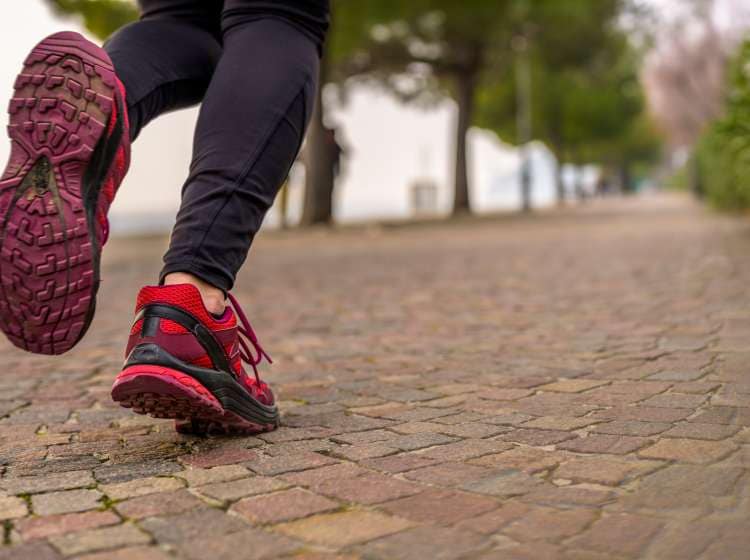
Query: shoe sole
[(60, 114), (162, 392)]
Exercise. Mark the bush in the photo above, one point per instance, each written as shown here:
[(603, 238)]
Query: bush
[(724, 151)]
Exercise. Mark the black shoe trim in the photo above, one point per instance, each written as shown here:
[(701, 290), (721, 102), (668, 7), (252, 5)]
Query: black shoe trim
[(210, 343), (222, 385)]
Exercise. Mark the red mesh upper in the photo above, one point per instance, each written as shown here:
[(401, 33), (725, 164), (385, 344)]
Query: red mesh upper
[(187, 297), (170, 327)]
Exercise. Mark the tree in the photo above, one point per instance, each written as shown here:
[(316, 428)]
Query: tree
[(428, 47), (351, 23), (685, 78), (582, 94)]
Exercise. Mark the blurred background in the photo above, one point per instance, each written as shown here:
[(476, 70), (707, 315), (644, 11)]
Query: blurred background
[(435, 108)]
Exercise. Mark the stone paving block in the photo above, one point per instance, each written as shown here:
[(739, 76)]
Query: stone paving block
[(623, 534), (559, 423), (100, 539), (677, 375), (113, 474), (162, 503), (426, 542), (366, 451), (442, 507), (537, 437), (609, 471), (12, 508), (67, 501), (465, 449), (491, 522), (283, 506), (338, 530), (716, 480), (508, 419), (631, 428), (248, 544), (284, 434), (573, 385), (696, 387), (367, 489), (399, 463), (541, 523), (412, 442), (129, 553), (220, 456), (32, 551), (699, 430), (688, 450), (609, 444), (194, 524), (236, 489), (642, 413), (574, 495), (505, 484), (504, 394), (678, 543), (32, 528), (369, 436), (140, 487), (460, 415), (733, 543), (271, 466), (448, 474), (527, 459), (200, 477), (675, 400), (313, 477), (474, 430), (47, 483)]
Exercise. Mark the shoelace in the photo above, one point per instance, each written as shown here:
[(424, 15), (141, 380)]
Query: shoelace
[(248, 334)]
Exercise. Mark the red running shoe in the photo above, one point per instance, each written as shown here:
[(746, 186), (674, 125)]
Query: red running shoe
[(70, 149), (185, 363)]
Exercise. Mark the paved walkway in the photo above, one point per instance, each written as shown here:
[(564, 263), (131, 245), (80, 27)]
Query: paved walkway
[(572, 386)]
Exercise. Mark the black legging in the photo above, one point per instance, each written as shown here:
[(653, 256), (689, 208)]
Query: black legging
[(254, 67)]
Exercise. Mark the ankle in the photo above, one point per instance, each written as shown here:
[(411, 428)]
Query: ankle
[(213, 297)]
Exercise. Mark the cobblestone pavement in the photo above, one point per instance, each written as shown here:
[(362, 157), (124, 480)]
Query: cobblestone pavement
[(570, 386)]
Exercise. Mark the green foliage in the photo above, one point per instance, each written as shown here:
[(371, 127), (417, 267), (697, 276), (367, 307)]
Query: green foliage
[(101, 17), (587, 102), (724, 150)]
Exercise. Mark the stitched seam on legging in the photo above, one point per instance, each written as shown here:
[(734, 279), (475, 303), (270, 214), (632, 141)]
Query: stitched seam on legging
[(156, 88), (246, 171)]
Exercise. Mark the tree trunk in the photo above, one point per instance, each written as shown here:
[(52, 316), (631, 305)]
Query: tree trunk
[(465, 89), (558, 151), (559, 183), (580, 191), (319, 161), (695, 178), (626, 178)]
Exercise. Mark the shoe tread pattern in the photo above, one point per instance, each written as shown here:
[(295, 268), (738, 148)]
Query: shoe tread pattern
[(62, 103)]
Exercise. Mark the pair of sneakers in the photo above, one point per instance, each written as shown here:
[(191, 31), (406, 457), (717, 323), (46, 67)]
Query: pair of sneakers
[(70, 150)]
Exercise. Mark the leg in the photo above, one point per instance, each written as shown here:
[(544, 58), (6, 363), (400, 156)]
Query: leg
[(186, 351), (250, 128), (166, 60)]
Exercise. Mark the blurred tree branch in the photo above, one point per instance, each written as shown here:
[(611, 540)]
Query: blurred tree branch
[(101, 17)]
